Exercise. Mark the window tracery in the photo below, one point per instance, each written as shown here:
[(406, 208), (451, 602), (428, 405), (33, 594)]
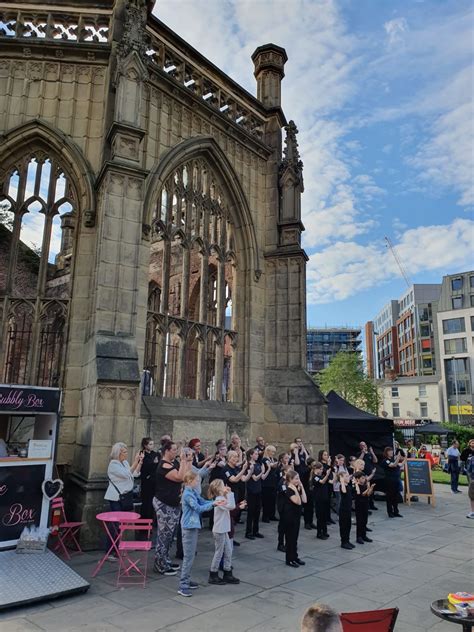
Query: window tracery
[(38, 207), (193, 263)]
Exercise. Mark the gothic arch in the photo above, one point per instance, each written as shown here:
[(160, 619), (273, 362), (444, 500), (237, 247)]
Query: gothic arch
[(41, 135), (43, 174), (207, 148)]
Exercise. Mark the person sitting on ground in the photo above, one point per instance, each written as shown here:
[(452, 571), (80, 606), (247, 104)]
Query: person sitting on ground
[(321, 618)]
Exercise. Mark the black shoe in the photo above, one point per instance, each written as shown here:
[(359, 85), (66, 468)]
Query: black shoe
[(347, 546), (351, 545), (397, 515), (293, 564), (175, 567), (321, 536), (360, 541), (214, 578), (266, 521), (258, 535), (274, 519), (367, 529), (236, 543), (391, 515), (282, 548), (369, 512), (374, 508), (366, 539), (228, 578), (249, 536), (308, 527), (300, 562)]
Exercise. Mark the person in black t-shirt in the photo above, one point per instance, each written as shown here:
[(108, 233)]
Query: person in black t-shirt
[(269, 484), (367, 454), (234, 476), (345, 509), (325, 459), (282, 468), (320, 492), (392, 465), (363, 489), (169, 479), (199, 459), (300, 460), (254, 493), (294, 499), (147, 477)]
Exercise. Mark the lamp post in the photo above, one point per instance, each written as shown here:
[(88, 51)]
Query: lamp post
[(455, 373)]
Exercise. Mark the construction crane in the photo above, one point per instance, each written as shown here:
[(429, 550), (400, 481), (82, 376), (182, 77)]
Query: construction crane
[(397, 259)]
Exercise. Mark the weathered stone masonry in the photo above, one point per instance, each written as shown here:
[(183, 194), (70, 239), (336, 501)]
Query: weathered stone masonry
[(177, 196)]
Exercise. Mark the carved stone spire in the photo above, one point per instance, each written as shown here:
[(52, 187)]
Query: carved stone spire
[(291, 187), (134, 37), (291, 155)]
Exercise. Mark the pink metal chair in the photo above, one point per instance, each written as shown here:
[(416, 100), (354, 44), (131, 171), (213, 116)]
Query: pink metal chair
[(67, 531), (132, 553)]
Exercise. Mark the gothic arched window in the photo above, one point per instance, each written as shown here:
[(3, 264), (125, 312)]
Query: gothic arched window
[(193, 262), (38, 207)]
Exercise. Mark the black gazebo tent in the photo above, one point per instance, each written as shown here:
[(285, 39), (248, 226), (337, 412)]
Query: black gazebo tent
[(349, 425), (431, 428)]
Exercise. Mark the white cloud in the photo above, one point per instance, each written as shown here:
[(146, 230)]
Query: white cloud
[(322, 66), (346, 268), (396, 30)]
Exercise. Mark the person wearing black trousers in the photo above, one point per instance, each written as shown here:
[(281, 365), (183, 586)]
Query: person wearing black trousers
[(301, 457), (363, 490), (345, 509), (269, 485), (147, 477), (325, 459), (295, 498), (320, 493), (392, 465), (367, 455), (282, 469), (254, 493)]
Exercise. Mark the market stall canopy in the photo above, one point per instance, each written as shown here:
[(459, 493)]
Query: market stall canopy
[(432, 428), (344, 416), (348, 426)]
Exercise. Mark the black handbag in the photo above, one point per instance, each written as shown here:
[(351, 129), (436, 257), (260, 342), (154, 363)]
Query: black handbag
[(126, 498)]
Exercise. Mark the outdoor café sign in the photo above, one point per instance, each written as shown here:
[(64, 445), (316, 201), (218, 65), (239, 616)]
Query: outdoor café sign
[(29, 400)]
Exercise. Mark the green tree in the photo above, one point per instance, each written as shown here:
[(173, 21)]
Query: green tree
[(345, 375)]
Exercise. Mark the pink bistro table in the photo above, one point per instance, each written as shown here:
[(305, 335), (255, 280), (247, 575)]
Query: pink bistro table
[(106, 518)]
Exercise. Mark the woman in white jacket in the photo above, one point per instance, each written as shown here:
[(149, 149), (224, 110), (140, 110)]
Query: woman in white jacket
[(121, 477)]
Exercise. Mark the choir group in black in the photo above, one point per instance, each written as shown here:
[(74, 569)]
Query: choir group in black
[(294, 484)]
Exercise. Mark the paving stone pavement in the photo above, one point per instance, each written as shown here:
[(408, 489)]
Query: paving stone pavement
[(410, 563)]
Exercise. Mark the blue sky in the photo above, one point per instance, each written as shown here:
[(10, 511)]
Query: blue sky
[(381, 92)]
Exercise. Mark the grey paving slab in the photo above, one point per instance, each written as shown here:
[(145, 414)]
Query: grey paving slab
[(412, 562), (18, 625), (155, 617), (231, 617)]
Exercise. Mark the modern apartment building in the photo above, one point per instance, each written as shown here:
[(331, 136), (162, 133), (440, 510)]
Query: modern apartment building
[(405, 333), (417, 329), (455, 320), (322, 344), (386, 342)]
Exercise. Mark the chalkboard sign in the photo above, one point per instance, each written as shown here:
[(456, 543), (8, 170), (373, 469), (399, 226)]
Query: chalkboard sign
[(21, 499), (418, 481)]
